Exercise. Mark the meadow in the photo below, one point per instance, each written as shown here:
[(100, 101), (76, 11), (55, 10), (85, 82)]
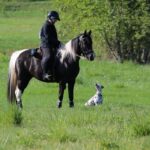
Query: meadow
[(121, 123)]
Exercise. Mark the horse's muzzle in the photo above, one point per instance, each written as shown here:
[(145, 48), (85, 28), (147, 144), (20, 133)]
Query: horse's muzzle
[(91, 56)]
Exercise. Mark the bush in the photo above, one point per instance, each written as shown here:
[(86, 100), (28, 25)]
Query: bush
[(122, 27), (130, 25), (17, 116)]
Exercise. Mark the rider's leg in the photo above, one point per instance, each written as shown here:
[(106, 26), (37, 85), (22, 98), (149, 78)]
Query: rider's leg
[(45, 63)]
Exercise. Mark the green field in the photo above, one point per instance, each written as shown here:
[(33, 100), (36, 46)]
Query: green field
[(121, 123)]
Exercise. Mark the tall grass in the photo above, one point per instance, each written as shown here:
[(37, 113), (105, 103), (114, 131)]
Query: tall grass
[(122, 122)]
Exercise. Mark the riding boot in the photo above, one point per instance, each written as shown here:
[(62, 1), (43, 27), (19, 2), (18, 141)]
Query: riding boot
[(47, 75), (47, 64)]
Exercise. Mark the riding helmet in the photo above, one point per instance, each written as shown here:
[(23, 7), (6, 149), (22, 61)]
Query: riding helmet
[(53, 15)]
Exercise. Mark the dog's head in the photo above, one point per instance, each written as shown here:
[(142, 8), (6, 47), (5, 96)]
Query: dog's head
[(99, 87)]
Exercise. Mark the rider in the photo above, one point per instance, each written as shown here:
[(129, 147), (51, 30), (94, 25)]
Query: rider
[(49, 43)]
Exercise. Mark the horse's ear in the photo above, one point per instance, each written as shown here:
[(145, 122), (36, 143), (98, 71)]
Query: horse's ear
[(89, 33), (85, 32)]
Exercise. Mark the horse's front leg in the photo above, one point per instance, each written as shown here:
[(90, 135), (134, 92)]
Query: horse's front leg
[(62, 87), (71, 92)]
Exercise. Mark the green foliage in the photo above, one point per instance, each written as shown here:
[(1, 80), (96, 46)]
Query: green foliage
[(22, 0), (122, 122), (78, 16), (17, 115), (128, 37), (142, 129), (120, 26)]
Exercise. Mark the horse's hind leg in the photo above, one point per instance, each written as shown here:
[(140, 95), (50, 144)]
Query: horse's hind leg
[(21, 85), (18, 94)]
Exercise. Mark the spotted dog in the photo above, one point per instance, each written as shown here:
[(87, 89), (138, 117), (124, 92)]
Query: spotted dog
[(97, 98)]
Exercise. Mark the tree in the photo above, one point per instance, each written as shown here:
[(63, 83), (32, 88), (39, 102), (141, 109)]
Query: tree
[(121, 26), (130, 39)]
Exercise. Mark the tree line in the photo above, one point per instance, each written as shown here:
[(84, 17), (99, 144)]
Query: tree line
[(122, 26)]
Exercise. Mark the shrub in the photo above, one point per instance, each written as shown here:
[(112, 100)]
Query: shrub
[(17, 116)]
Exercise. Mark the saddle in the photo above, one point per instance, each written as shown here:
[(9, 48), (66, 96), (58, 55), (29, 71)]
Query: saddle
[(37, 53)]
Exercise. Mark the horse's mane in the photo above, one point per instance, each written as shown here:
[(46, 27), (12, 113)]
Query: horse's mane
[(69, 50)]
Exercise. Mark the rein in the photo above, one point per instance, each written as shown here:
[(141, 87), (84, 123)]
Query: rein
[(82, 57)]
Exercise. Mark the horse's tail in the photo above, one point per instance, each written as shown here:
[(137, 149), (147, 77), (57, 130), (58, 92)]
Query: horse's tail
[(12, 76), (12, 80)]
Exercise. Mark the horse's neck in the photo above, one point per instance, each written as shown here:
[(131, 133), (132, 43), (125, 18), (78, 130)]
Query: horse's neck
[(67, 52)]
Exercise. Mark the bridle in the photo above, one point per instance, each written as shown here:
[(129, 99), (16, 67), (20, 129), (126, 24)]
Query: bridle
[(85, 52), (82, 57)]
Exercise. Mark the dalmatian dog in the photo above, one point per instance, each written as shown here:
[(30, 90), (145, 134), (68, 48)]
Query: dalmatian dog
[(97, 98)]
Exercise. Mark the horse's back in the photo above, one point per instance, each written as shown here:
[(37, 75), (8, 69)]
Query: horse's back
[(26, 64), (15, 55)]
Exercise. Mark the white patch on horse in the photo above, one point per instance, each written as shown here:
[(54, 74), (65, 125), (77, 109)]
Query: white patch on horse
[(18, 94), (97, 98), (12, 64), (13, 59), (67, 51)]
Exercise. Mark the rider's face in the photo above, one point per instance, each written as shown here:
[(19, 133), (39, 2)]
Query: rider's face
[(53, 21)]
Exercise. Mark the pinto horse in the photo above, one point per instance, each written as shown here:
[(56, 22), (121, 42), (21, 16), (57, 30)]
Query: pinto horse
[(23, 66)]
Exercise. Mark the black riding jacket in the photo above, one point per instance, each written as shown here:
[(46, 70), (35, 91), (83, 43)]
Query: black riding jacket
[(48, 36)]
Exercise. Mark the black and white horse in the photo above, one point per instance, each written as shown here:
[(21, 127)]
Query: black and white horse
[(23, 67)]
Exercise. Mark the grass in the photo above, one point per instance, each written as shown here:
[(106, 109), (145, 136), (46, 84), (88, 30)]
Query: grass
[(121, 123)]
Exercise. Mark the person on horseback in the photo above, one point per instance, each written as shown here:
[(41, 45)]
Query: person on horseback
[(49, 43)]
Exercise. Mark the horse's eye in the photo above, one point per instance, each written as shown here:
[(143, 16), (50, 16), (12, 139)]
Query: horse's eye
[(84, 41)]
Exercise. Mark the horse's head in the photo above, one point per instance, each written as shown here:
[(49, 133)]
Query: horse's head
[(85, 44)]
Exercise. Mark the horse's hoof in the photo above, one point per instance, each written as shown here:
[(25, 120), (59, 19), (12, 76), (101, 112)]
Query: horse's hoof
[(71, 104), (59, 104), (19, 105)]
